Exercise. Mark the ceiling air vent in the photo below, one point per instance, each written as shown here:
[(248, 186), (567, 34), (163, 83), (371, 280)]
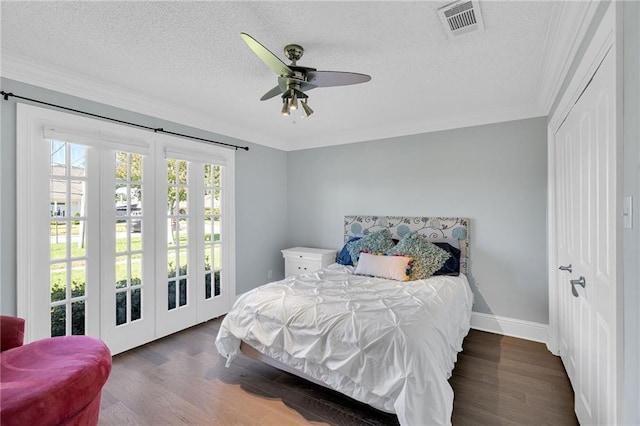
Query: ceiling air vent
[(461, 17)]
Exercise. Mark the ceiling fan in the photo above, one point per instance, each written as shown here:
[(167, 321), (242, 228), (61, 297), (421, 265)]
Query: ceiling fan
[(295, 80)]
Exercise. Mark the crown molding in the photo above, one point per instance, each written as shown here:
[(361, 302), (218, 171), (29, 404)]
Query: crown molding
[(569, 23), (459, 122), (71, 83), (68, 82)]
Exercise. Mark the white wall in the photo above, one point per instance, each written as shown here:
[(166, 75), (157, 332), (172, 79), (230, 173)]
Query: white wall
[(493, 174)]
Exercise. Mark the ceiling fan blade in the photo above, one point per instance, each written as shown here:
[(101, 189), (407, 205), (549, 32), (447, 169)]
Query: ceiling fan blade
[(267, 56), (335, 78), (271, 93)]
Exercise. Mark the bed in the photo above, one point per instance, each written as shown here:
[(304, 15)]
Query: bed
[(388, 343)]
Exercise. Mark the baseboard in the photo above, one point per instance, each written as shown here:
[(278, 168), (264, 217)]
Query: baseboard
[(510, 327)]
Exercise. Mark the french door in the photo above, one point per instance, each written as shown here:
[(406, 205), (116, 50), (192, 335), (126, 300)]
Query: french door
[(192, 249), (120, 236)]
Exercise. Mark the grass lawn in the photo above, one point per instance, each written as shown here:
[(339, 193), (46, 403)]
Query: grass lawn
[(59, 270)]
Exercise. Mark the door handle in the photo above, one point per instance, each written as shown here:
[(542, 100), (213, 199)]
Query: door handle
[(580, 281), (566, 268)]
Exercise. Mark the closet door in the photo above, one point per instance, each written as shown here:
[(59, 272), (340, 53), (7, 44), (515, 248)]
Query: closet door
[(586, 245)]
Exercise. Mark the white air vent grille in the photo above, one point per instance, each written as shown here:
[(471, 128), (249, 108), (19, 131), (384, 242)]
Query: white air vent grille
[(461, 17)]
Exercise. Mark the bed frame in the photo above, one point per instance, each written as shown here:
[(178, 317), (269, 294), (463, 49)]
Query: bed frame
[(435, 228)]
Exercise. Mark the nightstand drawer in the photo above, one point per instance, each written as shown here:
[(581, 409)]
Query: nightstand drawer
[(296, 267), (300, 260)]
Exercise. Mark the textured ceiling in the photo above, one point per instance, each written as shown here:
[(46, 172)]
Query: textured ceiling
[(189, 57)]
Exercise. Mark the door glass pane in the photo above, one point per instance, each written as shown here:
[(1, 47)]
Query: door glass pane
[(182, 271), (212, 227), (121, 308), (78, 238), (78, 278), (58, 238), (78, 317), (217, 283), (67, 238), (217, 176), (207, 285), (178, 226), (122, 271), (182, 172), (183, 291), (136, 269), (171, 303), (216, 228), (136, 304), (58, 154), (58, 281), (58, 320), (128, 190), (216, 201)]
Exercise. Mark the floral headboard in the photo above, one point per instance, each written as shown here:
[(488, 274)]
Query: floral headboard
[(435, 228)]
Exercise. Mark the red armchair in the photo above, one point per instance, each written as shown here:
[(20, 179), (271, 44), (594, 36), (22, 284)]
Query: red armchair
[(54, 381)]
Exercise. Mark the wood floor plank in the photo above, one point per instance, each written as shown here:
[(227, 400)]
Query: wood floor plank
[(181, 379)]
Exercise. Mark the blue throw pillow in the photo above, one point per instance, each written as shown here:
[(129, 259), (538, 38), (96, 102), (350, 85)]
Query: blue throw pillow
[(452, 265), (344, 258)]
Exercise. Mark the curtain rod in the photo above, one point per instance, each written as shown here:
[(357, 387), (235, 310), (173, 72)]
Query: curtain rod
[(6, 96)]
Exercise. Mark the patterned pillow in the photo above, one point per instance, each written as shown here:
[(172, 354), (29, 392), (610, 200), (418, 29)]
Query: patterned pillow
[(375, 242), (427, 257)]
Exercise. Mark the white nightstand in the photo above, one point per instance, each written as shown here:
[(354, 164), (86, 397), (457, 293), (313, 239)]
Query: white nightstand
[(298, 260)]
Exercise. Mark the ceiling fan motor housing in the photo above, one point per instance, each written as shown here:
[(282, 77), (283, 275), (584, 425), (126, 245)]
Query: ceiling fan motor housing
[(293, 52)]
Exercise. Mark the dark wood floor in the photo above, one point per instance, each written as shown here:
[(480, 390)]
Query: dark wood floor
[(181, 379)]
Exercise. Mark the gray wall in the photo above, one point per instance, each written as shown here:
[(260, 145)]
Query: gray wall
[(261, 199), (631, 242), (261, 216), (496, 175)]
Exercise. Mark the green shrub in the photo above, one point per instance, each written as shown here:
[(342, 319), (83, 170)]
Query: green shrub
[(58, 293)]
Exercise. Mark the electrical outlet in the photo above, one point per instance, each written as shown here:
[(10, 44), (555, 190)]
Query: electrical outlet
[(269, 274)]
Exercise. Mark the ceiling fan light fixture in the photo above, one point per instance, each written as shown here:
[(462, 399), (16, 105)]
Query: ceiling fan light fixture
[(293, 105), (307, 109), (285, 107)]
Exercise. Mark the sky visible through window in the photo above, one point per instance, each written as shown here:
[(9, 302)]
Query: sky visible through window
[(58, 154)]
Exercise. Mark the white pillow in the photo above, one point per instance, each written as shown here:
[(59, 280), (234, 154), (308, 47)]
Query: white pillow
[(391, 267)]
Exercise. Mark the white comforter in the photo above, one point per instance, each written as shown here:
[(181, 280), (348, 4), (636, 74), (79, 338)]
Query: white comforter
[(386, 343)]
